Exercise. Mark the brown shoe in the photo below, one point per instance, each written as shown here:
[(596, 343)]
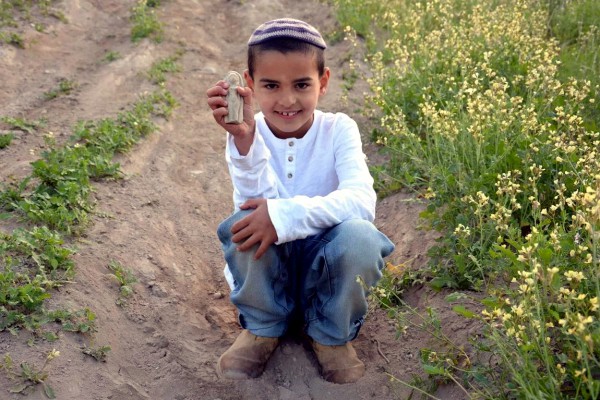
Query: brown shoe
[(339, 364), (247, 356)]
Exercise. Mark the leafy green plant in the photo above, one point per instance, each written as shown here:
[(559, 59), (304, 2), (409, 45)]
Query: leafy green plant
[(158, 70), (65, 86), (78, 321), (111, 56), (34, 262), (98, 353), (12, 38), (28, 376), (6, 139), (22, 124), (575, 25), (57, 195), (17, 15), (58, 191), (145, 22), (124, 278)]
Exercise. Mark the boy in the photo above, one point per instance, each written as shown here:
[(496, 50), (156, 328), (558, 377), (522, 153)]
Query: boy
[(305, 203)]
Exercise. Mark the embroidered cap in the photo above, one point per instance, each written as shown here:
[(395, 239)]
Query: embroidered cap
[(287, 28)]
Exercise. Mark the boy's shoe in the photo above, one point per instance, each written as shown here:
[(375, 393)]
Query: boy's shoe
[(339, 364), (247, 356)]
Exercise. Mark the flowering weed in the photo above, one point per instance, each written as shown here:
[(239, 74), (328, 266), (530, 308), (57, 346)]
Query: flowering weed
[(481, 112)]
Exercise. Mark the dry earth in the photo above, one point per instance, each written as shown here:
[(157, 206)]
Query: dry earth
[(160, 220)]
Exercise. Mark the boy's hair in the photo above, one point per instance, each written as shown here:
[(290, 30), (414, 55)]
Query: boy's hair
[(286, 45), (286, 35)]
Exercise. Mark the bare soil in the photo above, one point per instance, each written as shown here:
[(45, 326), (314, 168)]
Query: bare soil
[(160, 221)]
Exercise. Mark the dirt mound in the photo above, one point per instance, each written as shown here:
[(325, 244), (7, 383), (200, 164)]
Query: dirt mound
[(160, 221)]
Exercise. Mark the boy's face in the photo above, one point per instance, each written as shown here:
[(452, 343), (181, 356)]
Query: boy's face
[(287, 88)]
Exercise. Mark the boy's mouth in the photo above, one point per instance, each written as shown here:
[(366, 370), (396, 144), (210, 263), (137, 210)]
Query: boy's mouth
[(288, 114)]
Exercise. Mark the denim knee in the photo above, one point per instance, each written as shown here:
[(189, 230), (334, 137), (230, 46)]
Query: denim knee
[(359, 246), (258, 285), (224, 229), (352, 249)]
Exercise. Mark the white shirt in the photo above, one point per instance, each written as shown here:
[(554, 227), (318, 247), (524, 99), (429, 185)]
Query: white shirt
[(311, 183)]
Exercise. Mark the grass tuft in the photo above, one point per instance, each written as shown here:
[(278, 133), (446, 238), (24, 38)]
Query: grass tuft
[(145, 22)]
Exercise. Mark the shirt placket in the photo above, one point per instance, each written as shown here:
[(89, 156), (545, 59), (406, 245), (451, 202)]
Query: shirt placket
[(290, 161)]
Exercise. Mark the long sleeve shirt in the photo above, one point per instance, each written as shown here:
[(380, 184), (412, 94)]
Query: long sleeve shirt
[(310, 184)]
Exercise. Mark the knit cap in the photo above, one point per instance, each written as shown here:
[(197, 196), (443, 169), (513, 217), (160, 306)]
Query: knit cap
[(287, 28)]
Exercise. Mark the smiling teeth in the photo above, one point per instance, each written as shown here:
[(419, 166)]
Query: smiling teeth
[(289, 114)]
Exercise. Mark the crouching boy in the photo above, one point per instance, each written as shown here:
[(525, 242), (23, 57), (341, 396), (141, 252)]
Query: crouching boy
[(303, 235)]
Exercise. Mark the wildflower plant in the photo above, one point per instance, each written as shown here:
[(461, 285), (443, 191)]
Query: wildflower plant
[(28, 376), (479, 113)]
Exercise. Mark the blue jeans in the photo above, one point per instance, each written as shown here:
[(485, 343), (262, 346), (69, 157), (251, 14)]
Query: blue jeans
[(315, 276)]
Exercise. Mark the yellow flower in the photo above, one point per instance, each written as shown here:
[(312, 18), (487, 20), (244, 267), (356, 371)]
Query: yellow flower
[(594, 303), (53, 354), (576, 276), (518, 310), (580, 372), (565, 291), (429, 194)]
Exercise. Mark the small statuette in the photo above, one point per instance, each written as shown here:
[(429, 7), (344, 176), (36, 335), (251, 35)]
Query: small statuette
[(235, 102)]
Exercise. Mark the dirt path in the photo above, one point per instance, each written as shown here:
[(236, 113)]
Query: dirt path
[(160, 221)]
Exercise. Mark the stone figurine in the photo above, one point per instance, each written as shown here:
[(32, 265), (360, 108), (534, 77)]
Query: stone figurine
[(234, 100)]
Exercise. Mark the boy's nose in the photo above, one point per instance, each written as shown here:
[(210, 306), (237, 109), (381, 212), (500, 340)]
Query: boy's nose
[(287, 99)]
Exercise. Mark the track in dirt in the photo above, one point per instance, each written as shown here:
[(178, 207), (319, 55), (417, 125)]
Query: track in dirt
[(160, 221)]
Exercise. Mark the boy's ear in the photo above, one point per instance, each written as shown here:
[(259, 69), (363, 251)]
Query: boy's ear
[(249, 80), (324, 81)]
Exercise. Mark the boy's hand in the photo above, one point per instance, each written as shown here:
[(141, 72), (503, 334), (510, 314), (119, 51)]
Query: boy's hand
[(254, 228), (243, 133)]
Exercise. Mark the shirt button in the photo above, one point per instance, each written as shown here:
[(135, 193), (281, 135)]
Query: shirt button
[(291, 144), (291, 158), (290, 175)]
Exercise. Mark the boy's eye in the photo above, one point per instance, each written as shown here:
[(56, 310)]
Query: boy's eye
[(270, 86), (302, 85)]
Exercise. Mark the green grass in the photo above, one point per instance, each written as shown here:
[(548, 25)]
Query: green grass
[(125, 278), (159, 69), (6, 139), (145, 22), (12, 38), (17, 15), (54, 202), (490, 111), (65, 87), (56, 197), (22, 124), (111, 56), (575, 25), (57, 193)]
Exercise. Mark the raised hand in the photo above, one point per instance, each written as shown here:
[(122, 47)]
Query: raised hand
[(243, 133)]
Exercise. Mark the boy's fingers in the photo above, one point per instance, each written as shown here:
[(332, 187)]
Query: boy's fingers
[(244, 91), (220, 113), (238, 226), (261, 250), (248, 243), (250, 204), (216, 102), (244, 234), (216, 91)]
